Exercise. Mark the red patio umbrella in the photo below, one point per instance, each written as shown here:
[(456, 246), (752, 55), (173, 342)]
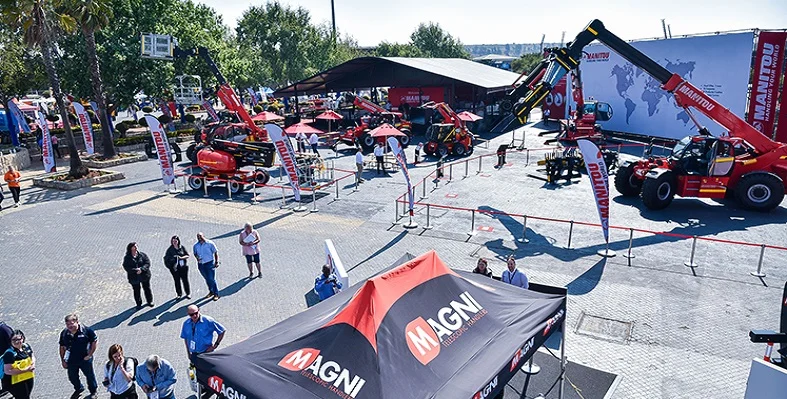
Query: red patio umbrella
[(467, 116), (266, 116), (302, 128), (386, 130), (329, 115)]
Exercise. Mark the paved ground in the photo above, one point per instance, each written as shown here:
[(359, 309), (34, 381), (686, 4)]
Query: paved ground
[(688, 337)]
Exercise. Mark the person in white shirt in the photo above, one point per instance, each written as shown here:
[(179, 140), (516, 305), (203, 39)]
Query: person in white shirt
[(300, 137), (313, 140), (514, 276), (379, 152), (359, 165)]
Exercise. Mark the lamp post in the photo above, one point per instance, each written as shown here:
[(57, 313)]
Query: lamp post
[(333, 20)]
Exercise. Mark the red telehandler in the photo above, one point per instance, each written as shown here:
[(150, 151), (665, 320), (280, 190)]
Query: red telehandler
[(451, 136), (742, 163), (377, 116)]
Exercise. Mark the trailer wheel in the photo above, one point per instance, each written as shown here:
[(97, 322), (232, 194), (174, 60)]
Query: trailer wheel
[(236, 185), (442, 150), (367, 141), (460, 150), (657, 193), (404, 141), (627, 184), (261, 177), (760, 191), (196, 182)]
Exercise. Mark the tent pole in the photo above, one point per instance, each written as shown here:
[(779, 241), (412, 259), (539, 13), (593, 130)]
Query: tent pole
[(562, 359)]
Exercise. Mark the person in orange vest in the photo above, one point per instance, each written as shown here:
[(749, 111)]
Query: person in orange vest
[(12, 177)]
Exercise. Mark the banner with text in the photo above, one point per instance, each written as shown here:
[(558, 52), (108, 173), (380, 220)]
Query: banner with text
[(768, 61), (162, 149), (287, 156), (599, 179), (719, 65), (555, 103), (252, 96), (87, 127), (415, 96), (396, 148), (46, 144)]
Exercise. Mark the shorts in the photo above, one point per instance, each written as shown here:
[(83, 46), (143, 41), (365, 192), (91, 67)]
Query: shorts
[(253, 258)]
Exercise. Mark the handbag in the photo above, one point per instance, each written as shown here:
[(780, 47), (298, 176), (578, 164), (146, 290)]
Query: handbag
[(19, 365)]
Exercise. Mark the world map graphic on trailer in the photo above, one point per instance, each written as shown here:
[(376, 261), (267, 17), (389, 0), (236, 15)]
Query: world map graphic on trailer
[(718, 65)]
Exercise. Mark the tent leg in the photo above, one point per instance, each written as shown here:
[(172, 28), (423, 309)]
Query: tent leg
[(562, 360)]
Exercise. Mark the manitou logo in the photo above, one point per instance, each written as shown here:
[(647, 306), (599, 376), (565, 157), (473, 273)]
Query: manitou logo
[(326, 373), (597, 57), (553, 320), (217, 384), (699, 99), (521, 352), (487, 389), (767, 79), (424, 337)]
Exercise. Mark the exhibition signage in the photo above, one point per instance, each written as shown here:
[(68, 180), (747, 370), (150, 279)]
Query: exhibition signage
[(397, 151), (87, 127), (554, 106), (766, 75), (46, 144), (599, 179), (414, 96), (287, 155), (21, 123), (252, 95), (162, 149)]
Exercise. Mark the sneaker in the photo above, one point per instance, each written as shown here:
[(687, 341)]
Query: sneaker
[(188, 296), (259, 275), (216, 297), (177, 298), (16, 205), (210, 295), (77, 393), (151, 304), (251, 275)]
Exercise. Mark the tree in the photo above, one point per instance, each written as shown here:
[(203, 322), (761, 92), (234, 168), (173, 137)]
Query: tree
[(20, 69), (434, 42), (39, 21), (526, 62), (92, 16)]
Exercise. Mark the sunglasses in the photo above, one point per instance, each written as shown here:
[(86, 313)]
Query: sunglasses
[(17, 340), (193, 314)]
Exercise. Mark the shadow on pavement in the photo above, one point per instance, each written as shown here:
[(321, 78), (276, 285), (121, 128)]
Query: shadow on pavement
[(234, 287), (179, 313), (124, 206), (256, 226), (382, 249), (588, 280), (114, 321), (152, 313)]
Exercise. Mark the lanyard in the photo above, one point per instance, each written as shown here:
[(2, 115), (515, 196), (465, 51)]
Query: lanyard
[(511, 276)]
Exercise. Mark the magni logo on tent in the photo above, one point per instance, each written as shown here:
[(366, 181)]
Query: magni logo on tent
[(326, 373), (424, 337), (217, 384)]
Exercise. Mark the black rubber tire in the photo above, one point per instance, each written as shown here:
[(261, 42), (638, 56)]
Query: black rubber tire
[(760, 191), (236, 185), (442, 151), (459, 150), (368, 142), (404, 141), (658, 193), (196, 182), (261, 176), (626, 183), (191, 153), (427, 151), (506, 105)]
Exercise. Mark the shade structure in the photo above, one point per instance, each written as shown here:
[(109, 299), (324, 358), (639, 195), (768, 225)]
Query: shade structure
[(266, 116), (420, 330), (329, 115), (386, 130), (468, 116), (301, 127)]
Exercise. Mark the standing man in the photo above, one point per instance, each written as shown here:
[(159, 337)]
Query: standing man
[(418, 149), (12, 177), (379, 153), (313, 140), (54, 146), (249, 239), (157, 377), (514, 276), (327, 285), (197, 333), (300, 138), (359, 165), (77, 345), (207, 263)]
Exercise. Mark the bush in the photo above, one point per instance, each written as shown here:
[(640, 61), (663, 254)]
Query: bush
[(122, 128), (124, 141), (165, 119), (190, 118), (142, 122), (257, 109), (147, 109)]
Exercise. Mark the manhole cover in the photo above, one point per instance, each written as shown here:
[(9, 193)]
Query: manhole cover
[(604, 328)]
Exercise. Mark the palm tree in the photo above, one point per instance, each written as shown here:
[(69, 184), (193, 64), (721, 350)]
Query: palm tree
[(94, 15), (39, 23)]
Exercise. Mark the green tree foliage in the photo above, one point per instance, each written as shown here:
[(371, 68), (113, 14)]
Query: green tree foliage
[(21, 69), (433, 41), (526, 62)]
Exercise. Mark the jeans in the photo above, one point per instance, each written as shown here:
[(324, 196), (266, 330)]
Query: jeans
[(209, 274), (359, 174), (181, 274), (15, 193), (380, 164), (144, 285), (314, 148), (86, 366)]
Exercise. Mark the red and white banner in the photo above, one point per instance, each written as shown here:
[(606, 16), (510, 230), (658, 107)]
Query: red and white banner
[(554, 106), (46, 144), (415, 96), (599, 178), (287, 156), (87, 127), (396, 148), (162, 149), (766, 75)]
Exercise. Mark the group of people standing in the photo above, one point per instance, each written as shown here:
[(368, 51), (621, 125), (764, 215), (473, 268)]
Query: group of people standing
[(313, 140), (512, 275)]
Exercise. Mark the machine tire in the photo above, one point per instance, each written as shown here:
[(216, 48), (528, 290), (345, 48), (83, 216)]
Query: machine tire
[(442, 150), (236, 185), (460, 150), (261, 176), (658, 193), (149, 150), (367, 141), (506, 105), (196, 182), (760, 191), (404, 141), (428, 150), (176, 150), (191, 153), (626, 183)]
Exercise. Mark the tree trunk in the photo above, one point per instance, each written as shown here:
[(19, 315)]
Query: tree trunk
[(78, 170), (98, 94)]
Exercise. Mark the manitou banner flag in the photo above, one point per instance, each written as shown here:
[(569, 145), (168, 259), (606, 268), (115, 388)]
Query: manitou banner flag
[(162, 149), (87, 127), (211, 112), (396, 148), (766, 76), (287, 156), (21, 124), (46, 144), (599, 179)]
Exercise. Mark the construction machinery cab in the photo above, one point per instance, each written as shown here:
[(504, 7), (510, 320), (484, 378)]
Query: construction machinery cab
[(705, 155), (439, 132)]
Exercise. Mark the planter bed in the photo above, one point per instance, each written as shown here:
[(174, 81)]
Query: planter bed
[(60, 181), (123, 158)]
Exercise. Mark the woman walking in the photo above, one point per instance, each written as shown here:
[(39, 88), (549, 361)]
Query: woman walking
[(12, 177), (137, 266), (176, 261), (20, 363), (119, 374), (249, 239)]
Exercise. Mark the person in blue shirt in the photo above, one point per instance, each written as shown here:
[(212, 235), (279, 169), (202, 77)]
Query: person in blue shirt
[(207, 263), (157, 375), (326, 285), (197, 333)]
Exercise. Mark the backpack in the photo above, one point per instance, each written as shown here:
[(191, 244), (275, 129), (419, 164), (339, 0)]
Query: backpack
[(126, 360), (2, 363)]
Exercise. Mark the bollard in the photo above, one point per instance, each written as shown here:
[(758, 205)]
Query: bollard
[(254, 193), (314, 201), (527, 157), (396, 211), (472, 224), (229, 191), (283, 199), (281, 172), (759, 272), (184, 183), (570, 233), (628, 254), (467, 166), (205, 185), (450, 172), (524, 239), (428, 219), (480, 159), (691, 263), (336, 184)]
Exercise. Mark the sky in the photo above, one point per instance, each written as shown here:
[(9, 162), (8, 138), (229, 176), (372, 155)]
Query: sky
[(521, 21)]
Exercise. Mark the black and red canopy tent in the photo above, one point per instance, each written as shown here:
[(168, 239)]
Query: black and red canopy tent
[(420, 330)]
